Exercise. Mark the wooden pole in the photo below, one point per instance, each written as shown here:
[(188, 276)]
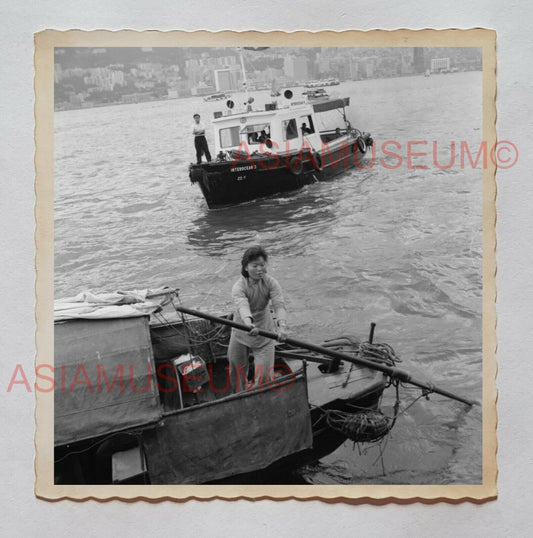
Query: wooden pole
[(394, 373)]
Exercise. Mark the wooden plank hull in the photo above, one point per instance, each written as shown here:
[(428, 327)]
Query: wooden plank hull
[(207, 434)]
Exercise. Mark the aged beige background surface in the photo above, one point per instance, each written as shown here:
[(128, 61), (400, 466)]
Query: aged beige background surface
[(510, 514), (44, 60)]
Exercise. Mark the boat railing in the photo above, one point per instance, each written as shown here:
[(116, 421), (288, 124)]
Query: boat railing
[(281, 384), (328, 135)]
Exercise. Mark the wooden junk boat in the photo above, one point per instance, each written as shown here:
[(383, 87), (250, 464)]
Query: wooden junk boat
[(142, 396)]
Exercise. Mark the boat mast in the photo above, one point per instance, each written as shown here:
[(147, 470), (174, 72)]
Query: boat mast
[(244, 82)]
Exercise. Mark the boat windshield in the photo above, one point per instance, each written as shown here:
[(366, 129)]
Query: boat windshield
[(256, 134), (289, 129), (229, 137)]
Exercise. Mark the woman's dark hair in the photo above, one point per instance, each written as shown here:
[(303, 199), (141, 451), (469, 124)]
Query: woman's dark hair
[(250, 255)]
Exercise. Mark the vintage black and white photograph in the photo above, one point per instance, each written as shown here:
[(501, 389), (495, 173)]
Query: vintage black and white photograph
[(270, 264)]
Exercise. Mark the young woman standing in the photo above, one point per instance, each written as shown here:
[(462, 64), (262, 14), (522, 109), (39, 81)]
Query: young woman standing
[(252, 295)]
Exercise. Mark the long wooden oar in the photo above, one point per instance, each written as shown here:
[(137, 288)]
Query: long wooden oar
[(392, 372)]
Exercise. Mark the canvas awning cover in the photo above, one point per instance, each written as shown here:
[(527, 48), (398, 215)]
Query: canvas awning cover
[(119, 304), (89, 355), (331, 104), (235, 435)]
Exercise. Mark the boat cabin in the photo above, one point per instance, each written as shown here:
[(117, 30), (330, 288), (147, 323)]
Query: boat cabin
[(285, 129)]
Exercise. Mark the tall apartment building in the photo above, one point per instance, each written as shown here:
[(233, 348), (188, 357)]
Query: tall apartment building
[(296, 68)]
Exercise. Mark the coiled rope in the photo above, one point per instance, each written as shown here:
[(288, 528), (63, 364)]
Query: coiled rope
[(363, 427)]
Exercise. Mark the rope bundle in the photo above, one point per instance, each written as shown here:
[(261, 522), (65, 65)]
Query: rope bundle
[(380, 353), (362, 427)]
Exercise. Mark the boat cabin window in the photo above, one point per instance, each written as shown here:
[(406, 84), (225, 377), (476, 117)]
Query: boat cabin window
[(256, 134), (306, 125), (289, 129), (229, 137)]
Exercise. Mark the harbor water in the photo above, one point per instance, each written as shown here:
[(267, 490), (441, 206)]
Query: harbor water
[(391, 243)]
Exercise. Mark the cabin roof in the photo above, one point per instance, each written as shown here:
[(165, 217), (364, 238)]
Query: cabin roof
[(295, 107), (331, 104), (265, 115)]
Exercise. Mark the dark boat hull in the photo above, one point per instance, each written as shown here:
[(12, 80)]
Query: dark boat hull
[(245, 178)]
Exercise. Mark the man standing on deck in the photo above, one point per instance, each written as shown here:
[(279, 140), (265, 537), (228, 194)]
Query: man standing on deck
[(200, 142)]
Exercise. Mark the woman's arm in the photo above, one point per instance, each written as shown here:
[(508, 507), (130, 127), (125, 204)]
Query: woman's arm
[(276, 296), (240, 299), (241, 302)]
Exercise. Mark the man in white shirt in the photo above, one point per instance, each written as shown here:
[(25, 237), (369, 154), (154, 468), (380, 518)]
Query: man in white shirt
[(200, 142)]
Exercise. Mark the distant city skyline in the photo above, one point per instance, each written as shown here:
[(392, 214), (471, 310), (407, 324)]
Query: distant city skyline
[(93, 76)]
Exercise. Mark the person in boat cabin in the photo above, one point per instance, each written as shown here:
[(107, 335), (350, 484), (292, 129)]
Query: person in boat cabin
[(305, 129), (252, 294), (200, 141)]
